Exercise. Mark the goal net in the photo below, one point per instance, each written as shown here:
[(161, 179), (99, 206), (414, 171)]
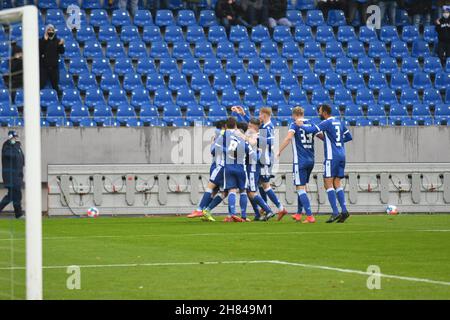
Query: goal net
[(19, 29)]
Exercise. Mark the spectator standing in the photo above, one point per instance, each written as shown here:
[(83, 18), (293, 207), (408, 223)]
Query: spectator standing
[(14, 80), (361, 7), (12, 172), (439, 7), (419, 10), (133, 4), (388, 10), (230, 13), (50, 47), (277, 13), (443, 31), (255, 11), (326, 5)]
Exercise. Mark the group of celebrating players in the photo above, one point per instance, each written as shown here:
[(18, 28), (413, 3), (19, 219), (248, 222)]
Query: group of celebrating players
[(243, 158)]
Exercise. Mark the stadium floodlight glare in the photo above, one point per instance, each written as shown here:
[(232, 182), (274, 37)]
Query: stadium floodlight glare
[(28, 17)]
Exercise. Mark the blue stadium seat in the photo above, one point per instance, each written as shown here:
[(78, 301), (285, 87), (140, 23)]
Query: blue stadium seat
[(114, 50), (336, 18), (185, 98), (86, 81), (212, 66), (109, 82), (162, 97), (409, 96), (66, 81), (92, 49), (72, 50), (297, 97), (420, 49), (164, 18), (125, 112), (208, 97), (99, 17), (55, 17), (324, 34), (195, 113), (447, 95), (266, 81), (207, 18), (290, 50), (300, 66), (222, 81), (312, 50), (102, 115), (334, 50), (70, 98), (234, 66), (268, 50), (154, 82), (344, 65), (129, 33), (311, 81), (333, 81), (259, 34), (377, 81), (107, 33), (253, 98), (244, 81), (195, 34), (190, 66), (399, 49), (282, 34), (397, 113), (116, 97), (305, 5), (86, 33), (177, 82), (367, 35), (388, 65), (275, 97), (151, 34), (410, 33), (143, 18), (230, 97), (181, 50), (421, 81), (79, 116), (442, 114), (421, 114), (364, 96), (376, 113), (91, 4), (314, 18), (78, 66), (217, 113), (343, 97), (432, 65), (256, 65), (238, 33), (225, 50), (145, 66), (442, 81), (284, 112), (388, 34), (355, 81), (432, 96), (320, 96), (295, 17), (120, 18), (355, 49), (186, 18), (278, 66), (377, 49), (366, 66), (159, 50), (322, 66), (217, 34), (303, 34), (430, 34), (387, 96), (346, 34), (199, 82), (204, 50), (410, 65), (399, 81), (173, 34), (132, 81), (352, 113), (246, 50), (93, 97), (137, 50), (49, 97), (288, 82), (148, 113)]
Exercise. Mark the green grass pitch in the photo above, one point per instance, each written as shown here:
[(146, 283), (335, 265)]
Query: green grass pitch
[(180, 258)]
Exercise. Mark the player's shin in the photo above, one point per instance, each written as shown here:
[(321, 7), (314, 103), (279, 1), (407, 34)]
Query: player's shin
[(215, 202), (273, 197), (232, 203), (206, 200), (255, 207), (243, 200), (260, 202), (331, 193), (263, 194), (303, 197), (341, 198)]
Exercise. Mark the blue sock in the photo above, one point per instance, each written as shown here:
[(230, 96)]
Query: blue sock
[(260, 201), (206, 199), (232, 203), (273, 197), (305, 201), (255, 207), (341, 198), (243, 199), (215, 202), (332, 199), (263, 194), (299, 204)]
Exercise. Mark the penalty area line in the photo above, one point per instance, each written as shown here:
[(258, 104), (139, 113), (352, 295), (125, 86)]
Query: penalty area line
[(274, 262)]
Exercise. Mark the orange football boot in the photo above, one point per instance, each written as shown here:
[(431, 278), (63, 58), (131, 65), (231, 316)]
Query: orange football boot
[(309, 219), (281, 214), (195, 214), (297, 217)]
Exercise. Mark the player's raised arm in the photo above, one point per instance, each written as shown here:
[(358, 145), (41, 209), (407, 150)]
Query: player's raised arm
[(240, 114)]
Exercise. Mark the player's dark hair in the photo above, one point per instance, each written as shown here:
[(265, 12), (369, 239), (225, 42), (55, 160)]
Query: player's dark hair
[(242, 126), (326, 108), (231, 123), (255, 121), (220, 124)]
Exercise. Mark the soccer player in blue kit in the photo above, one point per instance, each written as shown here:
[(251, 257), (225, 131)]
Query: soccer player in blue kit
[(303, 162), (335, 136)]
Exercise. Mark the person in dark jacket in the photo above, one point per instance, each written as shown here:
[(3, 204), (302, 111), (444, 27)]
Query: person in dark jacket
[(277, 13), (419, 11), (12, 173), (14, 79), (50, 47), (230, 13), (443, 31), (326, 5)]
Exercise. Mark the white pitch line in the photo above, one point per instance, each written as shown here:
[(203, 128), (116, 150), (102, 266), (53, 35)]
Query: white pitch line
[(277, 262), (435, 230), (213, 234)]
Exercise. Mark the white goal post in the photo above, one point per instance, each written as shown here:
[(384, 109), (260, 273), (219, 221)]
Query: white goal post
[(28, 16)]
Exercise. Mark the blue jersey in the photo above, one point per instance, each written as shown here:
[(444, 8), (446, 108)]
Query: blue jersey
[(234, 149), (335, 135), (217, 158), (265, 143), (303, 144)]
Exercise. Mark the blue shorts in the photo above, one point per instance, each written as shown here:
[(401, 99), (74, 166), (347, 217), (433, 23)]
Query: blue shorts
[(266, 174), (334, 168), (235, 177), (253, 179), (301, 173), (216, 175)]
